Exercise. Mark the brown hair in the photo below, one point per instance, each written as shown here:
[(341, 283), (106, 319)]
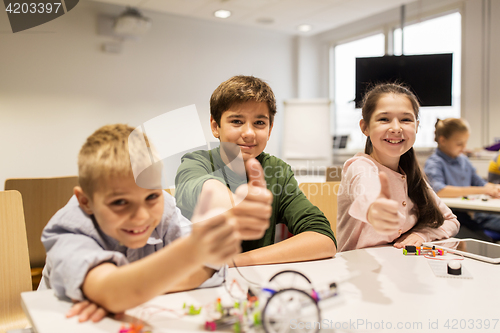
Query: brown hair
[(450, 126), (240, 89), (428, 214), (106, 154)]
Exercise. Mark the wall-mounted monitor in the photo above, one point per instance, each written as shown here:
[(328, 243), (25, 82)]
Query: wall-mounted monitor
[(429, 76)]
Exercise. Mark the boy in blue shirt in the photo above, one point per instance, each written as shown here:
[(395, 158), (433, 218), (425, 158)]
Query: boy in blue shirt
[(116, 245), (452, 175)]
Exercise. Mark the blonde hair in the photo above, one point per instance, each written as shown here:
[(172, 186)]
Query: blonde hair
[(450, 126), (107, 153)]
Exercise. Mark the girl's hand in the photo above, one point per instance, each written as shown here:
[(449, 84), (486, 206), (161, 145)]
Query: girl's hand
[(408, 239), (86, 310), (383, 212), (492, 190)]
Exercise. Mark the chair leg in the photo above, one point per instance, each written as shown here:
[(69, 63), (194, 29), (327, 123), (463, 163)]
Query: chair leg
[(36, 276)]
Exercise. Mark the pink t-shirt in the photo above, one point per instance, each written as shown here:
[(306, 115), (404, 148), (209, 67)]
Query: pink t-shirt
[(360, 186)]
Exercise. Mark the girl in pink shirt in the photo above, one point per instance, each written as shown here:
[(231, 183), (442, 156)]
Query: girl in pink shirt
[(384, 197)]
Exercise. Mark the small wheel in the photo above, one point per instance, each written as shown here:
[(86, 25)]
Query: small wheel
[(288, 307), (290, 279)]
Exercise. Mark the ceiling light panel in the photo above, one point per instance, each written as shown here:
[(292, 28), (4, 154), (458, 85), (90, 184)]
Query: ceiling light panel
[(304, 27), (222, 13)]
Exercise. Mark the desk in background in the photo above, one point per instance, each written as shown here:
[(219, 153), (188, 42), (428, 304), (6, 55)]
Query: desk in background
[(380, 286), (475, 204)]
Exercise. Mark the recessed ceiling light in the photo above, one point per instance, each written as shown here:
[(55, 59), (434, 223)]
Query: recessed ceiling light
[(222, 13), (304, 27)]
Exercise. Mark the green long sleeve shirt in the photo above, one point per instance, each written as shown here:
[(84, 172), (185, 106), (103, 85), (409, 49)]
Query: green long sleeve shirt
[(290, 206)]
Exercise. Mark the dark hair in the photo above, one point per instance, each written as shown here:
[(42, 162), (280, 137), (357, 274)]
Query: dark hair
[(449, 126), (240, 89), (428, 214)]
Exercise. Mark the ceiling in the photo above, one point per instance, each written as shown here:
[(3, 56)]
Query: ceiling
[(278, 15)]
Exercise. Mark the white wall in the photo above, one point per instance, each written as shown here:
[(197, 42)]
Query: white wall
[(312, 68), (493, 109), (481, 77), (57, 86)]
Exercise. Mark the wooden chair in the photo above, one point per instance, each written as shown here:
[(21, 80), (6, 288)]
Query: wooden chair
[(171, 191), (334, 173), (324, 196), (42, 198), (14, 261)]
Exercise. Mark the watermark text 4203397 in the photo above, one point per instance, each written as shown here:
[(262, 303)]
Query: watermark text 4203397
[(33, 7), (26, 14)]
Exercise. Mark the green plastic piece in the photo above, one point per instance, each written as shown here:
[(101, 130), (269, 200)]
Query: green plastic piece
[(194, 311), (237, 327)]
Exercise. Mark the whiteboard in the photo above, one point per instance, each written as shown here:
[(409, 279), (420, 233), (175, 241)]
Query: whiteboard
[(307, 130)]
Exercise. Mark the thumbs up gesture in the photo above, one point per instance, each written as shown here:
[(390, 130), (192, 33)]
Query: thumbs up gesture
[(253, 209), (383, 212), (213, 237)]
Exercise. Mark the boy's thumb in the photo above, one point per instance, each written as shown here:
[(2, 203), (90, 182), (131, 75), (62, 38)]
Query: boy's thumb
[(255, 173), (385, 191)]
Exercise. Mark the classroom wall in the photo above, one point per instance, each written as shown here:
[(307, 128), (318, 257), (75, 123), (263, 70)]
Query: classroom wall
[(312, 68), (57, 86), (481, 71)]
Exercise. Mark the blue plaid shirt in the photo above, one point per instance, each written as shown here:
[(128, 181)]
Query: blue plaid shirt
[(443, 170)]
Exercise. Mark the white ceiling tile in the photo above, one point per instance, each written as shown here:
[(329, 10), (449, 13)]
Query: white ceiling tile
[(131, 3), (181, 7), (254, 4)]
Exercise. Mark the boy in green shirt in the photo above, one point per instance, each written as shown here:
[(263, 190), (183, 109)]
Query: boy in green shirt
[(242, 112)]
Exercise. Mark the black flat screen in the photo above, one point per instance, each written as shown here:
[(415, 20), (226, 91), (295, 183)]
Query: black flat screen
[(429, 76)]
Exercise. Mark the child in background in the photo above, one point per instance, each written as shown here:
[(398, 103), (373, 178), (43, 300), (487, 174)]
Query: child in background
[(384, 197), (116, 245), (242, 112), (494, 170), (451, 174)]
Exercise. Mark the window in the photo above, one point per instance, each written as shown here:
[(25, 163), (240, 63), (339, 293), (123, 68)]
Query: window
[(438, 35), (346, 117)]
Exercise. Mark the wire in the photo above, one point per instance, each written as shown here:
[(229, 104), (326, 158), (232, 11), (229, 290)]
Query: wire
[(230, 293), (251, 282), (445, 258)]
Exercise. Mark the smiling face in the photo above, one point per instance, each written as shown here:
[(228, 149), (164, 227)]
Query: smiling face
[(245, 124), (392, 129), (455, 144), (123, 210)]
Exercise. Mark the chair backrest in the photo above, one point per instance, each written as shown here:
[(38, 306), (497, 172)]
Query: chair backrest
[(170, 191), (324, 196), (15, 276), (42, 198)]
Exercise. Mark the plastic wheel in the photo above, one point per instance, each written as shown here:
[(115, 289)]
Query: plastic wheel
[(291, 310), (290, 279)]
